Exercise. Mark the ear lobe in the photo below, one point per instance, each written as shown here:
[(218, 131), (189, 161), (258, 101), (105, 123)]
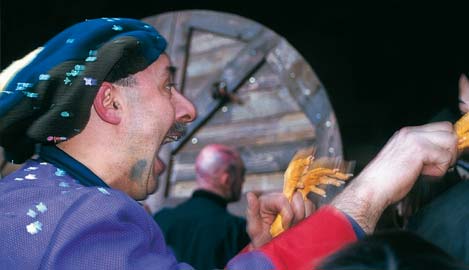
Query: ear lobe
[(106, 105)]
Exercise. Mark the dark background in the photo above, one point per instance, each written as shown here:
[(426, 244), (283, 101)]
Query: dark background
[(384, 65)]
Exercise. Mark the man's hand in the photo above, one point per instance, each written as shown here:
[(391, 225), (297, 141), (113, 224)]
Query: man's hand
[(429, 149), (262, 211)]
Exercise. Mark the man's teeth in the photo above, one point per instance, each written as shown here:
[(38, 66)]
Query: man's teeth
[(171, 138)]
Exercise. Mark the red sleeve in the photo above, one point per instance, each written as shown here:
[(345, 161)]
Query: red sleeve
[(304, 245)]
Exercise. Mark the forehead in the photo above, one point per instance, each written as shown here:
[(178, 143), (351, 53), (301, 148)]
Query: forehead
[(160, 67)]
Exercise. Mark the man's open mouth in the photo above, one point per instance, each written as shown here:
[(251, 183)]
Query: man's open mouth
[(175, 132)]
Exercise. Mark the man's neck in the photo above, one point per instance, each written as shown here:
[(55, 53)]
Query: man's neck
[(211, 189), (93, 157)]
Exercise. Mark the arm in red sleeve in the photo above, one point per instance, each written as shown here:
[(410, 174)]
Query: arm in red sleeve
[(302, 246)]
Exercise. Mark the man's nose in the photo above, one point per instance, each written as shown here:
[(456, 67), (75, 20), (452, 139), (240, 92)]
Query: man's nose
[(185, 110)]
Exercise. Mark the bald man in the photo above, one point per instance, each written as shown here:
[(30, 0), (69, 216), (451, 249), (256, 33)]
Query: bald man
[(201, 231)]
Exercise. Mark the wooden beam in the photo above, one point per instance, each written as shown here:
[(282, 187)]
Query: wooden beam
[(246, 62)]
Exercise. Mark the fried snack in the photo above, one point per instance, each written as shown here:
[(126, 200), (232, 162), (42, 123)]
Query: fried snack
[(462, 130), (301, 175)]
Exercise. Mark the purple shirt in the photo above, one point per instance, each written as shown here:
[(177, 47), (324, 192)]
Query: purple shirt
[(48, 220)]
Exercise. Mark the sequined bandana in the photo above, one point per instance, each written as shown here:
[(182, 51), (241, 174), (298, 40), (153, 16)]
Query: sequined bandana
[(49, 99)]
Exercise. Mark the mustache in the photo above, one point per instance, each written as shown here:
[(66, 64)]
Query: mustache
[(176, 132)]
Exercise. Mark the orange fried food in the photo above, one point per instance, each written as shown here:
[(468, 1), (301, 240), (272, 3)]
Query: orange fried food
[(302, 176), (462, 130)]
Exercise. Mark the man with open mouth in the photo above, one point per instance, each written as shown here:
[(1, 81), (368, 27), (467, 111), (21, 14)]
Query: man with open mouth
[(93, 106)]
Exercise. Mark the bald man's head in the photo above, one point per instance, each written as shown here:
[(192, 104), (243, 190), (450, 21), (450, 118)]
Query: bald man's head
[(219, 168)]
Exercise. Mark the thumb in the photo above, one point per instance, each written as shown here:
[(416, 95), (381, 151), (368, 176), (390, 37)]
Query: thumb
[(252, 213), (253, 204)]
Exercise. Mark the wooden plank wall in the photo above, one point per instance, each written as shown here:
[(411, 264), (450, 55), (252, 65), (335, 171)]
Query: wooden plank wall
[(284, 105), (267, 128)]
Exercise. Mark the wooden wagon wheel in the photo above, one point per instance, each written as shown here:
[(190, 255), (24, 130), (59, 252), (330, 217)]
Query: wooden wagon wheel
[(252, 90)]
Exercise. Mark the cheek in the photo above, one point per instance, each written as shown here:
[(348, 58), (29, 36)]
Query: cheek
[(157, 116), (168, 114)]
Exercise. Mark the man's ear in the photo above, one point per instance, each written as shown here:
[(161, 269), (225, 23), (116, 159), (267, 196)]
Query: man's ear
[(225, 183), (106, 104), (225, 179)]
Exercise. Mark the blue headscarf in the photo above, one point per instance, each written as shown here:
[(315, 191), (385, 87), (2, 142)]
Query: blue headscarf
[(49, 100)]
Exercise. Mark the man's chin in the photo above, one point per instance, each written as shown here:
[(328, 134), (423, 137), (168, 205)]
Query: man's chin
[(153, 189)]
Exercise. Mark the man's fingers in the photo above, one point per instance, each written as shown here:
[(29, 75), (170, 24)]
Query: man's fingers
[(252, 213), (445, 139), (439, 153), (298, 207), (309, 208), (276, 203), (253, 204), (257, 228), (264, 209), (281, 205), (435, 145), (441, 137), (437, 161), (437, 126)]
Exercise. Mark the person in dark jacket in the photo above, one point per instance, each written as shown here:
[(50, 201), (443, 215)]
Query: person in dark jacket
[(201, 231), (443, 219)]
